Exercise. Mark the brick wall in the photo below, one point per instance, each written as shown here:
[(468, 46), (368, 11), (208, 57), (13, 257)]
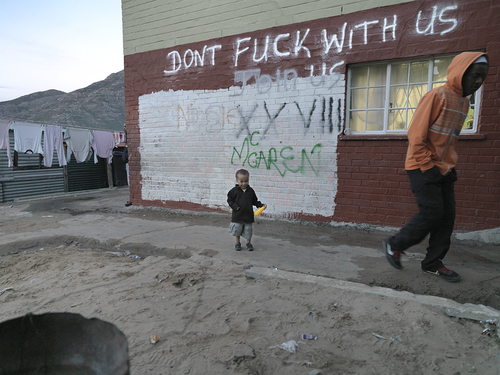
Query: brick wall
[(478, 168), (155, 24), (197, 112)]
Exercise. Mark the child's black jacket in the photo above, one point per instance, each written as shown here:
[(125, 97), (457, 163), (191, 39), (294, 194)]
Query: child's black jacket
[(244, 200)]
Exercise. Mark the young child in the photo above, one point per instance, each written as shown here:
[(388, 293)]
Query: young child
[(241, 199), (430, 164)]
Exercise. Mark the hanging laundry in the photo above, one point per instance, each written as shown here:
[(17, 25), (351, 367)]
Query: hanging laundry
[(28, 138), (79, 142), (53, 137), (4, 139), (117, 137), (103, 145)]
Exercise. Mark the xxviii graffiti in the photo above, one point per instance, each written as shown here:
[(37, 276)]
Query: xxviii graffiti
[(327, 116)]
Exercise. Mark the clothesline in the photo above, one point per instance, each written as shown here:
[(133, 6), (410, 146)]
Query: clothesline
[(79, 141), (63, 126), (119, 135)]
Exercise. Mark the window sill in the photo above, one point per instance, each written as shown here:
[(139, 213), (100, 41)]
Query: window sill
[(389, 137), (472, 136), (371, 137)]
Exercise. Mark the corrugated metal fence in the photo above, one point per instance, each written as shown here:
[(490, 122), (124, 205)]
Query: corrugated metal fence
[(87, 175), (30, 178)]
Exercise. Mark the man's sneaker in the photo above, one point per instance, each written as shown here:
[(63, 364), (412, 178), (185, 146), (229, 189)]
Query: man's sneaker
[(249, 247), (393, 256), (445, 274), (237, 247)]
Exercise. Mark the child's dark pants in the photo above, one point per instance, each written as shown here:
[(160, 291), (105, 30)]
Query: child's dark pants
[(435, 195)]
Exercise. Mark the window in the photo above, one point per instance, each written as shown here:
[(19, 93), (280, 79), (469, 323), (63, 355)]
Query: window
[(27, 160), (382, 97)]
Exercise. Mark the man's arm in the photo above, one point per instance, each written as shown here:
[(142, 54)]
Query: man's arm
[(427, 112)]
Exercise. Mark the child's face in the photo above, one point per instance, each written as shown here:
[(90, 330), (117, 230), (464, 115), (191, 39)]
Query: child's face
[(242, 181), (473, 78)]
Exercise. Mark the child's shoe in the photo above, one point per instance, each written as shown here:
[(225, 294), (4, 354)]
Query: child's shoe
[(249, 247), (237, 247)]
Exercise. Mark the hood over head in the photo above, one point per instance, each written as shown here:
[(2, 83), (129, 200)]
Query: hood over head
[(458, 67)]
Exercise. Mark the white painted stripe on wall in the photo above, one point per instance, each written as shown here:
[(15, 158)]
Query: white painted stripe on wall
[(190, 142)]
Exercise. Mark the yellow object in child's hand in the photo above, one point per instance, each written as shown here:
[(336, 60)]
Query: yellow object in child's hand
[(259, 211)]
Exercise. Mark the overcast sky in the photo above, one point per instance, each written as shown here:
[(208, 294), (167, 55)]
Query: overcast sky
[(58, 44)]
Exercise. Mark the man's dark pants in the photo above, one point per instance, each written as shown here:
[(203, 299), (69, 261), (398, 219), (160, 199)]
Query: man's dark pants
[(435, 195)]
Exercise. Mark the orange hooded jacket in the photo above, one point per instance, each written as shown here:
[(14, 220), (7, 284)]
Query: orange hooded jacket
[(438, 120)]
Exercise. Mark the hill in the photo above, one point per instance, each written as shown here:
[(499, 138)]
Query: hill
[(100, 105)]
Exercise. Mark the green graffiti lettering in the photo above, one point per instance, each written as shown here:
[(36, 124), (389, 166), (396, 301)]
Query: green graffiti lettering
[(255, 159), (288, 158), (272, 159), (317, 146), (251, 139), (261, 158), (240, 154), (305, 156)]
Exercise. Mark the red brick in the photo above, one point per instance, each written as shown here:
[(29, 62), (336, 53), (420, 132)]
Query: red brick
[(398, 206), (346, 202), (370, 183), (388, 184), (358, 176), (384, 211), (476, 190), (363, 202), (379, 204), (360, 162), (352, 182), (492, 223), (488, 214), (381, 193), (364, 190), (495, 189), (396, 221), (351, 195), (376, 219)]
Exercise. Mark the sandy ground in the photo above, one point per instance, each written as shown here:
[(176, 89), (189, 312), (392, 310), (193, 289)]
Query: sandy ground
[(214, 320)]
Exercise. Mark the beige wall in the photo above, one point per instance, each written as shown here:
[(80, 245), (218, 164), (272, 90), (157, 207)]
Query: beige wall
[(154, 24)]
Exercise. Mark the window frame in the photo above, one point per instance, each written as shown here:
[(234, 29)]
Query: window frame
[(27, 161), (24, 161), (387, 108)]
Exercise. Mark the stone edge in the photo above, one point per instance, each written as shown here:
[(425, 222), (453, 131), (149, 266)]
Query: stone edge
[(450, 307)]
